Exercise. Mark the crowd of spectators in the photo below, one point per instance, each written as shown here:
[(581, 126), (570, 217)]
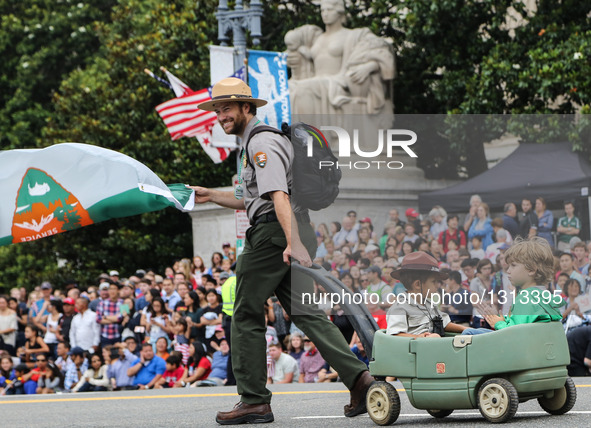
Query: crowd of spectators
[(151, 330), (140, 332), (471, 250)]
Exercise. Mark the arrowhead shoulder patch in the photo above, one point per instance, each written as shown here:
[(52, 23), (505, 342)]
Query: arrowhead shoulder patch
[(260, 159)]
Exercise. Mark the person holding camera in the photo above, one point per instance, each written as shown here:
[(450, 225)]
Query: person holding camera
[(121, 361)]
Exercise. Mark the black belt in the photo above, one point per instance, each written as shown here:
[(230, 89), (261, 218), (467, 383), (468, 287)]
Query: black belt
[(303, 217)]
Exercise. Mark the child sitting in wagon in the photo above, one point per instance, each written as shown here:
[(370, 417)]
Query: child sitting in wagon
[(414, 314), (531, 268)]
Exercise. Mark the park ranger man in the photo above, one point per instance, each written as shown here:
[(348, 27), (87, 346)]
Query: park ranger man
[(277, 234)]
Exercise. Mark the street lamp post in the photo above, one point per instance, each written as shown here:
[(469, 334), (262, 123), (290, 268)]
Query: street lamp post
[(237, 22)]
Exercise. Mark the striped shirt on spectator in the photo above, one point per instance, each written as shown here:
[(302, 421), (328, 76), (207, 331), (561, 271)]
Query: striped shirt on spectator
[(182, 345)]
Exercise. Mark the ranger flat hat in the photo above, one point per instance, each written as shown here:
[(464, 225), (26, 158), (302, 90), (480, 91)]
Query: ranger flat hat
[(419, 261), (230, 89)]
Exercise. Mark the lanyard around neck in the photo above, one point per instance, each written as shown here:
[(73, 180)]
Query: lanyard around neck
[(242, 163)]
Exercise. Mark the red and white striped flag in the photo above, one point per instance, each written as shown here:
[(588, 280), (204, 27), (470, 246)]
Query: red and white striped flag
[(183, 119)]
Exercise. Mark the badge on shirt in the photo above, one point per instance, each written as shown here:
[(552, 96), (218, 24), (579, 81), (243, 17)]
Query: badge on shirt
[(260, 159)]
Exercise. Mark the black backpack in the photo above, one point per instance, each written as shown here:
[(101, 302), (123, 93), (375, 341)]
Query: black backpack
[(313, 187)]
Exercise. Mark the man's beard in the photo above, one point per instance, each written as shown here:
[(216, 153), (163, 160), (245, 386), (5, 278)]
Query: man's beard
[(236, 125)]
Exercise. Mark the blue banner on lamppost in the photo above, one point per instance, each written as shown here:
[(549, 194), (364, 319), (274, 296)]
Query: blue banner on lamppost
[(267, 76)]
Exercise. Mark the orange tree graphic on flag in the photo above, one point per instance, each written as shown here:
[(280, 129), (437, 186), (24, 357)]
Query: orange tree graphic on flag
[(44, 208)]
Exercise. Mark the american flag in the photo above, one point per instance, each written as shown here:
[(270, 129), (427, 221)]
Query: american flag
[(183, 119), (183, 348)]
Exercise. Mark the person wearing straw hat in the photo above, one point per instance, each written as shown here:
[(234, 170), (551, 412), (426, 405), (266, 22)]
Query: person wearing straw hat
[(413, 313), (279, 233)]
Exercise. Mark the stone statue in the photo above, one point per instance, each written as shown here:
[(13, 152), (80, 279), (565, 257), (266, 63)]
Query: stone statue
[(340, 70)]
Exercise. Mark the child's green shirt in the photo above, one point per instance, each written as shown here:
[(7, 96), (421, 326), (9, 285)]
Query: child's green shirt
[(534, 304)]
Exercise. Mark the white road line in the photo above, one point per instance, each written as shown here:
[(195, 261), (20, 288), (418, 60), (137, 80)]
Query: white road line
[(457, 413)]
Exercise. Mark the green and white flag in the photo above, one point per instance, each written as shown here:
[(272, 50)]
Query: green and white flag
[(63, 187)]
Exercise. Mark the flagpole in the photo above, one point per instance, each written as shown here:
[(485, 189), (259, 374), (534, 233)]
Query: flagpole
[(158, 79)]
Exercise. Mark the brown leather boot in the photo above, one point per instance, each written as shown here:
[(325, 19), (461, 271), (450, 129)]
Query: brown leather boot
[(243, 413), (358, 393)]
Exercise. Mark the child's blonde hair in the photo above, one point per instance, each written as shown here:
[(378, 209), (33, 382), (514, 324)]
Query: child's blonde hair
[(536, 255)]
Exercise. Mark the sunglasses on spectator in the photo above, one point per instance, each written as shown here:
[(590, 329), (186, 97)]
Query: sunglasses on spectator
[(307, 340), (364, 279)]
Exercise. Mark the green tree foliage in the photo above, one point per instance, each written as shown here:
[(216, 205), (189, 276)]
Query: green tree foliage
[(110, 102), (440, 46), (280, 16), (72, 71), (41, 41), (544, 68)]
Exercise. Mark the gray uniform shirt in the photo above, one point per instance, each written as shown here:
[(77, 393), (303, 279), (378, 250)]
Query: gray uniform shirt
[(270, 158), (406, 315)]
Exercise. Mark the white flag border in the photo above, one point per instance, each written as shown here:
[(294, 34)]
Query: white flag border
[(149, 188)]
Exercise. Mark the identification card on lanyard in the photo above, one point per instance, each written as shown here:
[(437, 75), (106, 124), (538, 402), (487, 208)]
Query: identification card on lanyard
[(239, 190)]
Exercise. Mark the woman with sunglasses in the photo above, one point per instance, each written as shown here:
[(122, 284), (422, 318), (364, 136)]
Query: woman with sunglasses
[(51, 379), (38, 372)]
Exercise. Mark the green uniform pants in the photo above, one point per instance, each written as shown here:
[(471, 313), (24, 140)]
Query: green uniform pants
[(261, 273)]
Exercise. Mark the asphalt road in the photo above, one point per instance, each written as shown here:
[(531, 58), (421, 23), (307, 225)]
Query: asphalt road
[(296, 405)]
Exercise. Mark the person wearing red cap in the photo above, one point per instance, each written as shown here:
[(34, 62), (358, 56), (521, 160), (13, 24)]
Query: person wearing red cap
[(66, 320), (412, 217), (365, 220), (413, 313), (411, 213)]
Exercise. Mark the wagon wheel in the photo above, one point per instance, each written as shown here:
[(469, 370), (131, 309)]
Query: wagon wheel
[(563, 400), (383, 403), (440, 413), (497, 400)]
